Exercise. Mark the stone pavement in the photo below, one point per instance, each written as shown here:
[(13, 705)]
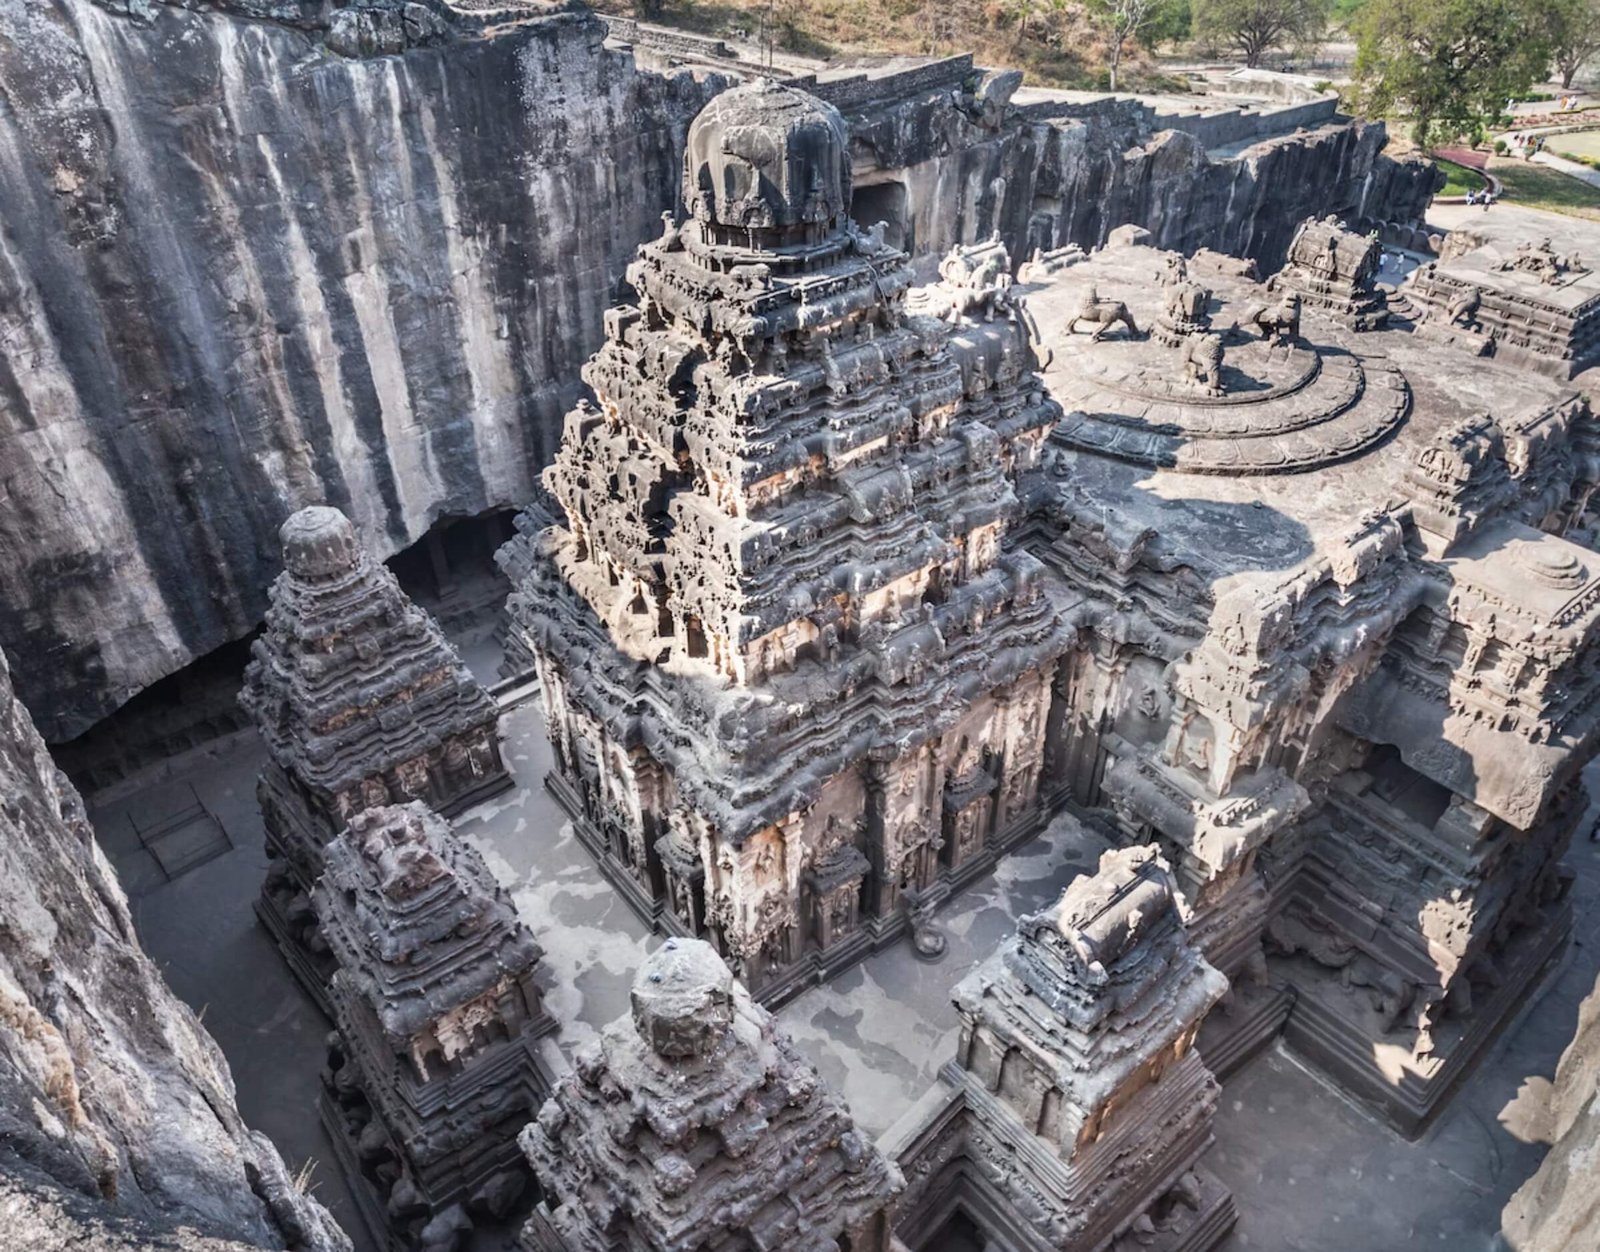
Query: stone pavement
[(1310, 1172)]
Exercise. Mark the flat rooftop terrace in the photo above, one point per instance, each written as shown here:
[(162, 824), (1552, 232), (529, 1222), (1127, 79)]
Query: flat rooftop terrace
[(1308, 436)]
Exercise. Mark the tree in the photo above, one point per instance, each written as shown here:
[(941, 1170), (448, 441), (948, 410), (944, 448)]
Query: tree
[(1254, 28), (1121, 20), (1451, 63), (1574, 35), (1171, 22)]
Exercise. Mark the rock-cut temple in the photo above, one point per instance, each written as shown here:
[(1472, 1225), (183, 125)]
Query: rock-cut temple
[(851, 584), (796, 681)]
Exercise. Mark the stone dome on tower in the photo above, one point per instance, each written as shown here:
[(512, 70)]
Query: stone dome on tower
[(768, 157), (319, 543)]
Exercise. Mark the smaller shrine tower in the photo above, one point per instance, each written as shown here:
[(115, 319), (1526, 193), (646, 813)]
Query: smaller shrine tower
[(362, 702), (694, 1123), (1076, 1110), (433, 1071)]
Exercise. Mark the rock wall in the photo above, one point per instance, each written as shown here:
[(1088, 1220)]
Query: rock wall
[(1559, 1207), (1051, 182), (116, 1107), (239, 274)]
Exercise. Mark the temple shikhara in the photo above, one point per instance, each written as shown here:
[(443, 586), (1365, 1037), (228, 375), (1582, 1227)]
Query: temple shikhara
[(362, 703), (1077, 1043), (693, 1122), (432, 1073), (796, 682)]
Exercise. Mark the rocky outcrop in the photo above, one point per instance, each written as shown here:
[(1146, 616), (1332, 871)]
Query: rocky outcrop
[(112, 1095), (1559, 1207), (1055, 174), (240, 274)]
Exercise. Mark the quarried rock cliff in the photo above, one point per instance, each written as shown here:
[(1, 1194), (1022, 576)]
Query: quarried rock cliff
[(1559, 1207), (117, 1115), (240, 274)]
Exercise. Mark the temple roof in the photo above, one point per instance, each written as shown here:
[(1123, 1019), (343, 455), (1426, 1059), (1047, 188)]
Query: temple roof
[(417, 922), (1097, 985), (350, 678), (767, 157), (695, 1114)]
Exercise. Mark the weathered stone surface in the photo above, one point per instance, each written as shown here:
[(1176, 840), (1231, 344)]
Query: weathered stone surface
[(791, 683), (694, 1123), (1529, 304), (1559, 1207), (243, 274), (1076, 1110), (1332, 267), (115, 1105), (1362, 662), (361, 701), (434, 1073)]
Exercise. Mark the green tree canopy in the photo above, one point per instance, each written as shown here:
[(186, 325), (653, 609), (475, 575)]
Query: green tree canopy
[(1254, 28), (1451, 64), (1172, 21), (1121, 20), (1574, 35)]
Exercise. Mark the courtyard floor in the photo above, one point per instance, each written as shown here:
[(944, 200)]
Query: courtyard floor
[(1310, 1172)]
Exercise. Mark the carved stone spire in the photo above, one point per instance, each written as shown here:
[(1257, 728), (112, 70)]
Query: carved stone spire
[(1077, 1108), (779, 549), (361, 701), (693, 1123), (434, 1072)]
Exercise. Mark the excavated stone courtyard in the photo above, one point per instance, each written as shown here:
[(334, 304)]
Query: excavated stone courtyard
[(615, 646), (1312, 1171)]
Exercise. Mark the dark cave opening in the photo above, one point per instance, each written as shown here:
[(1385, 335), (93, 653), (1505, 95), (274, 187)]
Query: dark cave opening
[(450, 571)]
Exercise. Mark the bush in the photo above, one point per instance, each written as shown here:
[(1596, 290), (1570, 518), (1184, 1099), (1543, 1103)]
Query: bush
[(1500, 147)]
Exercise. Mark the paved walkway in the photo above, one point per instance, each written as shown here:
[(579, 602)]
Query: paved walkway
[(1581, 172)]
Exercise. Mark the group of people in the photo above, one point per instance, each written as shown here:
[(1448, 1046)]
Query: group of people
[(1528, 142), (1483, 196)]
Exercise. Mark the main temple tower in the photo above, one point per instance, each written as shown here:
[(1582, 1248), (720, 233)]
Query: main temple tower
[(794, 685)]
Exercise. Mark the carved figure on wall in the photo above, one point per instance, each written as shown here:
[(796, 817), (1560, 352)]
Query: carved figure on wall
[(1542, 261), (1464, 308)]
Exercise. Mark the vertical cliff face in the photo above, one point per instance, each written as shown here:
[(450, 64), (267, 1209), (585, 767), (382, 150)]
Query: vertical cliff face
[(239, 274), (1050, 183), (113, 1099), (1559, 1207)]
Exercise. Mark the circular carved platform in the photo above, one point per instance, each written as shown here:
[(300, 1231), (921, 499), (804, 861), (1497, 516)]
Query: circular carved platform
[(1285, 407)]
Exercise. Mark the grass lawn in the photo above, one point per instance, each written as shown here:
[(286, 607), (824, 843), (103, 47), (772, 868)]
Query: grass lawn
[(1458, 179), (1539, 187), (1583, 143)]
